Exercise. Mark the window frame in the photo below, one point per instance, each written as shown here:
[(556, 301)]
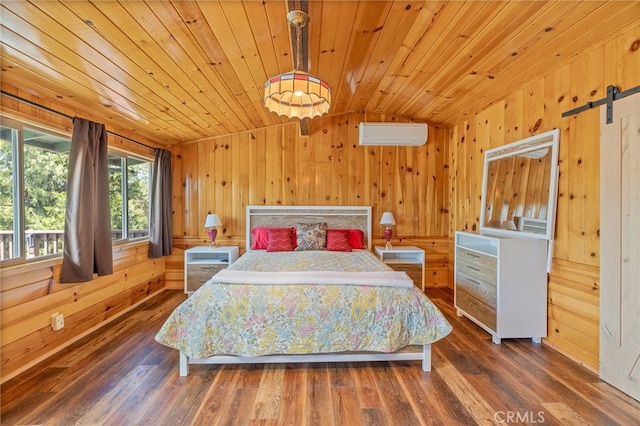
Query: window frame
[(17, 190), (124, 155), (19, 212), (150, 164), (19, 187)]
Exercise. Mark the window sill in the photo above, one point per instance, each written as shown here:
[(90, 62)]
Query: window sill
[(56, 259)]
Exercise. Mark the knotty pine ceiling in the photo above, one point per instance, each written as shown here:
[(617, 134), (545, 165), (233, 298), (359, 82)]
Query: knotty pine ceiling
[(180, 71)]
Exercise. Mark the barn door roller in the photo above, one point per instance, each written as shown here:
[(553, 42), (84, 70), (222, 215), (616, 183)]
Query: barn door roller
[(613, 94)]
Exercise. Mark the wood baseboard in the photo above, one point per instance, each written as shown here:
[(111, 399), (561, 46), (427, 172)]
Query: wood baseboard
[(57, 349), (593, 369)]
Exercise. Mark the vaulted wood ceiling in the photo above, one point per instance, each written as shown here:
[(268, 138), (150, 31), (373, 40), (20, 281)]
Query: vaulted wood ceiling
[(179, 71)]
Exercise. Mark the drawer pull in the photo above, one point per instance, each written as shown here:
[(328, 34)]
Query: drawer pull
[(474, 281), (474, 268)]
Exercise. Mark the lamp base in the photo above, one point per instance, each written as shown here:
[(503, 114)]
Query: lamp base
[(213, 232), (388, 232)]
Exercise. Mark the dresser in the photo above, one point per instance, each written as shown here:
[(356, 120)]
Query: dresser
[(203, 262), (501, 284)]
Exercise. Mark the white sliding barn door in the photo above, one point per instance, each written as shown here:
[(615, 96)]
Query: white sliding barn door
[(620, 246)]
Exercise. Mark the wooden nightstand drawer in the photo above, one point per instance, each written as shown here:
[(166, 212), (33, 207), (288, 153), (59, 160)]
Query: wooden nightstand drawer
[(409, 259), (413, 270), (198, 274), (202, 263)]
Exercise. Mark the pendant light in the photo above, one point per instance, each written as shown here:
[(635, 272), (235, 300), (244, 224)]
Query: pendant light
[(297, 93)]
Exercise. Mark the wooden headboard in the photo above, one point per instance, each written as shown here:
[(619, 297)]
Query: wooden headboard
[(344, 217)]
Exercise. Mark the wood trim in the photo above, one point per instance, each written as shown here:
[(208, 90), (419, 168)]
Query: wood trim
[(39, 359), (31, 292)]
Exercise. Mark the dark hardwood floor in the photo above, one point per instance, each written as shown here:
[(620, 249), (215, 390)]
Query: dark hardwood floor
[(119, 375)]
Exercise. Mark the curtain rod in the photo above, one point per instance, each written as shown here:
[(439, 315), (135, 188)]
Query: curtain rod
[(61, 114)]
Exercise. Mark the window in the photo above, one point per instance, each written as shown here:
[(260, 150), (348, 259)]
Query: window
[(46, 161), (8, 138), (33, 188), (32, 219), (138, 197), (130, 196), (116, 198)]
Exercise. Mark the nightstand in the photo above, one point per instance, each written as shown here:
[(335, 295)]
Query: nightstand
[(409, 259), (203, 262)]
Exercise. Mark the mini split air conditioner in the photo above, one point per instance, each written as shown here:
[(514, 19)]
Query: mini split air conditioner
[(393, 134)]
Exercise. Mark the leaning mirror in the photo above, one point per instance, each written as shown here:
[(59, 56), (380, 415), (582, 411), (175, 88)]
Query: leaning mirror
[(519, 187)]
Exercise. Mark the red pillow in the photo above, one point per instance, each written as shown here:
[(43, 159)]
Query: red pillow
[(279, 239), (356, 239), (338, 240), (261, 239)]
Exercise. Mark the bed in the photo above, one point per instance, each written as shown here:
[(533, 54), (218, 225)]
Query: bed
[(277, 304)]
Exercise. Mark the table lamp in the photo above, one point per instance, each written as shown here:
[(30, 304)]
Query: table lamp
[(388, 220), (211, 223)]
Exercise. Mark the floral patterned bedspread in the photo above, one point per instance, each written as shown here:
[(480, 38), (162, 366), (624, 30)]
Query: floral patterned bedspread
[(255, 320)]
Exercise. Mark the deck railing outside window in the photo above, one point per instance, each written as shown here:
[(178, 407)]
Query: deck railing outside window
[(50, 242)]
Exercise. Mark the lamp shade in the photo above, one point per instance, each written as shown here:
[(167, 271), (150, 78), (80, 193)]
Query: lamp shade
[(297, 94), (212, 220), (387, 219)]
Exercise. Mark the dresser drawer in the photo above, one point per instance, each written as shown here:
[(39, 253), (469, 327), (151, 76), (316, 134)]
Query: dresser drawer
[(481, 290), (476, 308), (198, 274), (478, 265)]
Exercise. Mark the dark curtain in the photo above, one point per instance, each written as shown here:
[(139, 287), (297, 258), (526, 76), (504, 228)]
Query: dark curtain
[(87, 228), (161, 228)]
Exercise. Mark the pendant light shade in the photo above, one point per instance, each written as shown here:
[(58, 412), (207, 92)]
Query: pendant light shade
[(297, 93)]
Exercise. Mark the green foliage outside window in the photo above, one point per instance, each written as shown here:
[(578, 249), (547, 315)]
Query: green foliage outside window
[(138, 183), (45, 184), (115, 195)]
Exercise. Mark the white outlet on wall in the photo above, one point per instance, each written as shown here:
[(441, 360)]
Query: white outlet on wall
[(57, 321)]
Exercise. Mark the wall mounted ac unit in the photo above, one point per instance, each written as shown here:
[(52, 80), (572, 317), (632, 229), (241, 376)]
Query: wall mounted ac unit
[(393, 134)]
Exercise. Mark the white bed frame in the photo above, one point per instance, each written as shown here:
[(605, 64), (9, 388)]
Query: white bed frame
[(424, 355), (346, 217), (353, 217)]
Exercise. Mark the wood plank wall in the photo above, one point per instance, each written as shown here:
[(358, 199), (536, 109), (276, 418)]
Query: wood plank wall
[(31, 292), (537, 107), (276, 166)]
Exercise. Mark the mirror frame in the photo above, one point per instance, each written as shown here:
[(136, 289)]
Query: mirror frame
[(544, 140)]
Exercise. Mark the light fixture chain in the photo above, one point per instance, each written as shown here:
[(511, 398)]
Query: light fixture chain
[(298, 48)]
